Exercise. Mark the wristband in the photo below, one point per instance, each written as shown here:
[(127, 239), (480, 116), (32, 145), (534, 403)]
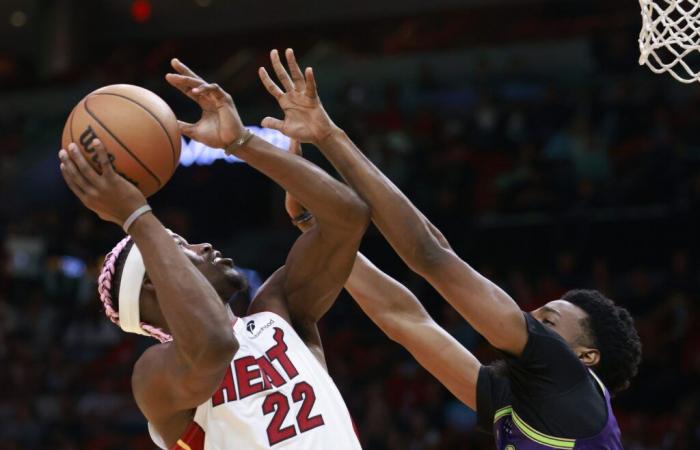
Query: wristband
[(238, 143), (302, 218), (135, 215)]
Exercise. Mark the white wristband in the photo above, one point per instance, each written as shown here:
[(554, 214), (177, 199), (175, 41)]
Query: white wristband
[(135, 215)]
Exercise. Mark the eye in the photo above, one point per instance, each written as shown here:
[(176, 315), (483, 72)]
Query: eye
[(548, 322)]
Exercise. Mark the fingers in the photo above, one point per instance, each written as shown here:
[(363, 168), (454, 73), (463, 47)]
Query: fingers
[(184, 83), (103, 158), (310, 91), (270, 85), (186, 128), (297, 76), (71, 184), (295, 147), (81, 165), (183, 69), (209, 88), (75, 181), (275, 124), (280, 71)]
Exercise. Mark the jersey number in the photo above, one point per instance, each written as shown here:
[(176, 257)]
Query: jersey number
[(278, 404)]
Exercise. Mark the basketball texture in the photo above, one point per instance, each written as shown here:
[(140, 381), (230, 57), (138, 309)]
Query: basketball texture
[(138, 129)]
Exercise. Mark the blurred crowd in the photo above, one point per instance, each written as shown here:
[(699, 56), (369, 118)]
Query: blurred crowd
[(542, 185)]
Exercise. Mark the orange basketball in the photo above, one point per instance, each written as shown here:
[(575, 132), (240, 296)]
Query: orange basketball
[(138, 129)]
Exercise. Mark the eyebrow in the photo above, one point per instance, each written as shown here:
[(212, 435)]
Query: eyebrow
[(552, 310)]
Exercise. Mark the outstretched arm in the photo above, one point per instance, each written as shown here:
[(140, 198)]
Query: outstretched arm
[(400, 315), (320, 261), (424, 249)]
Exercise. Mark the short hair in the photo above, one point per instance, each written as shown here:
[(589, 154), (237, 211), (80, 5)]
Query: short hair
[(611, 330), (108, 287)]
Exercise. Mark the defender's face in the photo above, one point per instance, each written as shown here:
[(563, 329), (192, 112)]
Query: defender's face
[(221, 272), (565, 319)]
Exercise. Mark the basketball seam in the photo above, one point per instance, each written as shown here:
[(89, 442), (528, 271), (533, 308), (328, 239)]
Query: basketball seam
[(70, 126), (170, 141), (121, 143)]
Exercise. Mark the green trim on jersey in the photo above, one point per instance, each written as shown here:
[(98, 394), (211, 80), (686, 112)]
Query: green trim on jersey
[(502, 412), (531, 433)]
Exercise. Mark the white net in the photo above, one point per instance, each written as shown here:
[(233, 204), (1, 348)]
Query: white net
[(670, 38)]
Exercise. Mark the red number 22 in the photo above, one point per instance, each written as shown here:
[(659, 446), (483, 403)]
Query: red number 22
[(278, 404)]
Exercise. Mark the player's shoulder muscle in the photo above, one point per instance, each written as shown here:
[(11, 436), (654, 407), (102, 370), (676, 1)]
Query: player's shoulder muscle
[(149, 382)]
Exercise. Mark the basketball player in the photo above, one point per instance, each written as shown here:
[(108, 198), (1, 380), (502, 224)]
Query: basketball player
[(216, 381), (550, 390)]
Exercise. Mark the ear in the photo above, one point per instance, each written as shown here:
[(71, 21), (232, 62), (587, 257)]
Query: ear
[(588, 356)]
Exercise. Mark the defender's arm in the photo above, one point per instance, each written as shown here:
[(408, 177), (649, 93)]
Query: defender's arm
[(483, 304)]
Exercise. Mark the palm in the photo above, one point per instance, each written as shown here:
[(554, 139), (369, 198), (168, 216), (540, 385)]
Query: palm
[(219, 124), (300, 116), (304, 116)]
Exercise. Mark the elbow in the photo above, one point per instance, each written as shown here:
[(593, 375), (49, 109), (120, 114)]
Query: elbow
[(357, 215), (429, 255)]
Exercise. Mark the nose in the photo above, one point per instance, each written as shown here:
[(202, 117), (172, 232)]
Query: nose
[(203, 249)]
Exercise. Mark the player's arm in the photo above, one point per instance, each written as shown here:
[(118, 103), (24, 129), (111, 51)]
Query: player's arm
[(401, 316), (180, 375), (320, 261), (424, 249)]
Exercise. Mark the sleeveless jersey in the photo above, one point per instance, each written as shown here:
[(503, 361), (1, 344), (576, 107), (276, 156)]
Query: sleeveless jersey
[(512, 433), (275, 395)]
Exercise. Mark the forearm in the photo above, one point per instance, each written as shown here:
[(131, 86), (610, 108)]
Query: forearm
[(329, 200), (196, 316), (408, 231), (390, 305), (425, 250)]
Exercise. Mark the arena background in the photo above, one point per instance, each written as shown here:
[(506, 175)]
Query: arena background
[(524, 129)]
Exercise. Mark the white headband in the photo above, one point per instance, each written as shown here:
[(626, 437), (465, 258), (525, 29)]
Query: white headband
[(130, 292)]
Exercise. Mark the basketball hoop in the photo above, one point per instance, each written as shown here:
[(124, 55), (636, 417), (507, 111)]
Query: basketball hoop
[(670, 38)]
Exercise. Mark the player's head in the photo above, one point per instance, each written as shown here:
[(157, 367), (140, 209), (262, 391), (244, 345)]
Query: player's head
[(601, 334), (128, 295)]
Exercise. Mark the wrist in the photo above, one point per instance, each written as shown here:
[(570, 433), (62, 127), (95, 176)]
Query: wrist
[(243, 138), (329, 134), (134, 218)]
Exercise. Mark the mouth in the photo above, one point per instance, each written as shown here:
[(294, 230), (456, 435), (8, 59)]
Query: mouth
[(224, 261)]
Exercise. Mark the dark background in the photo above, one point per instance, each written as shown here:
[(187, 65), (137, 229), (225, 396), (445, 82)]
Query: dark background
[(524, 129)]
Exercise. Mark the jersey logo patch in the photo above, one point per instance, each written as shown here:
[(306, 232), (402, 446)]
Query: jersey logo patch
[(250, 326)]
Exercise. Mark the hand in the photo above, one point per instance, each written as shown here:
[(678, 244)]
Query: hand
[(304, 116), (220, 123), (108, 194)]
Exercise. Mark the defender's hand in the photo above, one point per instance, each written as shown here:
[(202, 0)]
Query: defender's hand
[(304, 116), (220, 123), (108, 194)]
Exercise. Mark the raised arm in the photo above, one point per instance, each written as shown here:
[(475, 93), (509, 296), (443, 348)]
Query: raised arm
[(320, 261), (401, 316), (182, 374), (424, 249)]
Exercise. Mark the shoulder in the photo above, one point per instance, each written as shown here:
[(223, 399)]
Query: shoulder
[(270, 297), (493, 392), (148, 372)]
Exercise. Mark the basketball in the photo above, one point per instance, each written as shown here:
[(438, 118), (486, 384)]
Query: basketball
[(138, 129)]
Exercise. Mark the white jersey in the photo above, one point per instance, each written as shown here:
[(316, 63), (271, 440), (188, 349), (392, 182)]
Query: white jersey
[(275, 394)]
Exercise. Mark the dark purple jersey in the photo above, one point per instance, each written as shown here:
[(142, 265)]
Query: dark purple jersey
[(545, 398), (513, 433)]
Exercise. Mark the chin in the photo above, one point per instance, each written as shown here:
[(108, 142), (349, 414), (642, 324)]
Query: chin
[(236, 280)]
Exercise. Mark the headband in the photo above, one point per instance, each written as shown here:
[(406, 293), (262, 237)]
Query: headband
[(130, 291)]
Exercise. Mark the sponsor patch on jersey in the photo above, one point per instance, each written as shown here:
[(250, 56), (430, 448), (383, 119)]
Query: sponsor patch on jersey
[(256, 331)]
